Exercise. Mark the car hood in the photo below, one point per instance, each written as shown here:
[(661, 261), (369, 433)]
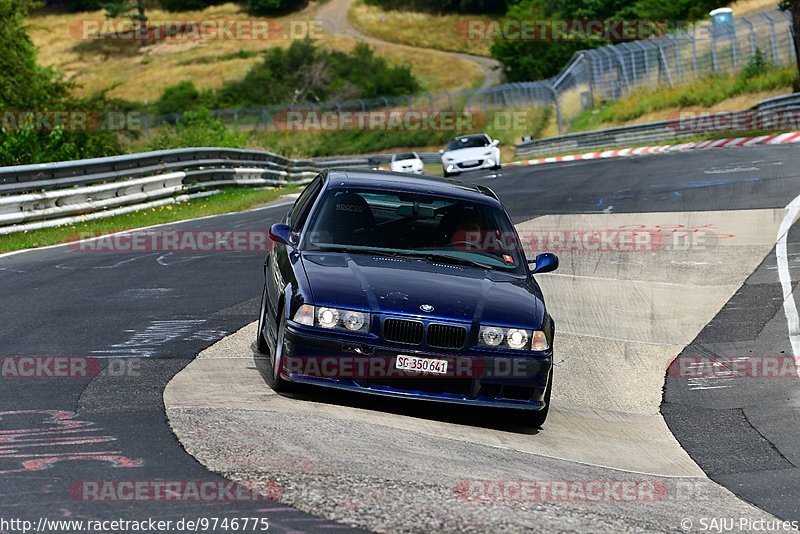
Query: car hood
[(468, 154), (400, 286)]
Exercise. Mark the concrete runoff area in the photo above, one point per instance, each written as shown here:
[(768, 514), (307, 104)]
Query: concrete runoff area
[(387, 465)]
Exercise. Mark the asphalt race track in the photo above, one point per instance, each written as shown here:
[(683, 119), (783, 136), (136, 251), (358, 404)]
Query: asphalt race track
[(330, 461)]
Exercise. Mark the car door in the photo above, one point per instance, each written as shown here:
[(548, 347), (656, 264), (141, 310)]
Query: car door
[(278, 268)]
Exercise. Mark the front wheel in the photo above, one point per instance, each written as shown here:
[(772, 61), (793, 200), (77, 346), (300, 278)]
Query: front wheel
[(261, 342), (278, 384)]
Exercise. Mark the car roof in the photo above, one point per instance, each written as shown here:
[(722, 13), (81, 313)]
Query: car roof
[(472, 136), (397, 181)]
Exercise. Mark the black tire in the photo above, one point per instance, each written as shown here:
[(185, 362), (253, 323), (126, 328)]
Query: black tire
[(261, 342), (537, 419), (278, 384)]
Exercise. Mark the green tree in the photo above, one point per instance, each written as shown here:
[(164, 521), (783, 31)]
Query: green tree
[(305, 73), (28, 87), (125, 9)]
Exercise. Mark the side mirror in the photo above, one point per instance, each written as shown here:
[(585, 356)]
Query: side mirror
[(544, 263), (495, 142), (281, 233)]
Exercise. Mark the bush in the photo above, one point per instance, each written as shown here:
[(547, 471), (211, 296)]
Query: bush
[(196, 129), (181, 98), (305, 73)]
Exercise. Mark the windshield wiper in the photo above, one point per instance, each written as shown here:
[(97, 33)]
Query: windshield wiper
[(435, 257), (428, 256)]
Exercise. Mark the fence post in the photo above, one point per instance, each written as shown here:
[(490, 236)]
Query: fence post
[(773, 40), (629, 53), (790, 29), (646, 58), (752, 36), (621, 60), (714, 59), (663, 61), (694, 50), (558, 108), (678, 65)]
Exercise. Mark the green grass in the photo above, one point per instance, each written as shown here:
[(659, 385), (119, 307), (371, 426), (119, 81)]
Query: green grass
[(706, 92), (229, 200)]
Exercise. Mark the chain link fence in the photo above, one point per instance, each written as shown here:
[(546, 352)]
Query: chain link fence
[(610, 72), (600, 74)]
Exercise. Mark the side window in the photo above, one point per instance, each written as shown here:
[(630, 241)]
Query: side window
[(304, 203)]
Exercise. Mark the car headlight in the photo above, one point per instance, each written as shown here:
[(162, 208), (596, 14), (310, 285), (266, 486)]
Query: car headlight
[(512, 338), (492, 336), (333, 318)]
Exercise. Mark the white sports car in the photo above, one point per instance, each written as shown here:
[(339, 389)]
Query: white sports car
[(470, 152), (407, 162)]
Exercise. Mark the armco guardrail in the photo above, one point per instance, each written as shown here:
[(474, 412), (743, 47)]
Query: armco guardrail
[(638, 134), (780, 103), (51, 194)]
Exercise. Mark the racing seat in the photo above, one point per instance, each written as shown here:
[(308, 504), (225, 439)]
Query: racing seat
[(350, 220)]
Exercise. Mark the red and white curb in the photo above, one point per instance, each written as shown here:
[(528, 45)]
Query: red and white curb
[(777, 139)]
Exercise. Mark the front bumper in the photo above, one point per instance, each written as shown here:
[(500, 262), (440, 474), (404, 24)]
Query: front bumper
[(478, 378), (464, 166)]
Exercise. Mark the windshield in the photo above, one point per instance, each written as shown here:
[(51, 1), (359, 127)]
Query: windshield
[(476, 141), (406, 155), (430, 227)]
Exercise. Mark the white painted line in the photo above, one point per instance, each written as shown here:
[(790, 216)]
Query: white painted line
[(789, 305)]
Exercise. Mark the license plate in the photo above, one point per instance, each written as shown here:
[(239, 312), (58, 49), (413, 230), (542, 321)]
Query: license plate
[(421, 365)]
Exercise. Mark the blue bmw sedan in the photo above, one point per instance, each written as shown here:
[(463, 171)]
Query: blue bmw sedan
[(407, 286)]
